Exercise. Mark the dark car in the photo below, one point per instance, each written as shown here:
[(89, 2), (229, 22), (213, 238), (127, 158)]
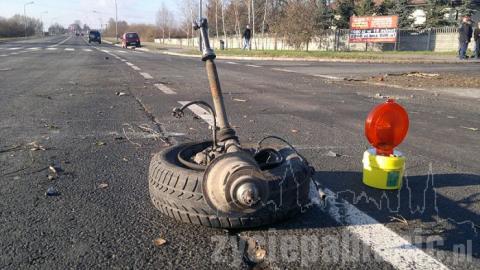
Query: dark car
[(130, 39), (94, 36)]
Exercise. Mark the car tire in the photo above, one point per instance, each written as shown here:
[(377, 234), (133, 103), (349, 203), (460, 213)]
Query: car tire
[(177, 191)]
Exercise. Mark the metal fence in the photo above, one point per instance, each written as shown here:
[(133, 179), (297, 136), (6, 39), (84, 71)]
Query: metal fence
[(431, 39)]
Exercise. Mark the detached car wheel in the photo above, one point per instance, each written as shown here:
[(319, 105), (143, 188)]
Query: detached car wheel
[(177, 191)]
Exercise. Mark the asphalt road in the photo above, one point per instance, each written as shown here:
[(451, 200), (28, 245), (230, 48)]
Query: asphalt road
[(97, 113)]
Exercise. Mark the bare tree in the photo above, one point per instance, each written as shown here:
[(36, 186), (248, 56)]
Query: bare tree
[(164, 20)]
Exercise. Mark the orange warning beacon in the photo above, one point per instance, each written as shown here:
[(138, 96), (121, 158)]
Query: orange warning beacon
[(385, 128)]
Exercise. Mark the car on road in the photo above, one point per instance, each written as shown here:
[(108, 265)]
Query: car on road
[(129, 39), (94, 36)]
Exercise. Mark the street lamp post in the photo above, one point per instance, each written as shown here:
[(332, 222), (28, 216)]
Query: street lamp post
[(116, 21), (25, 15), (41, 21)]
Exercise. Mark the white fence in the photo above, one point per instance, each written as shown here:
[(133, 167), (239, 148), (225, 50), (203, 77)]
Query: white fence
[(433, 39)]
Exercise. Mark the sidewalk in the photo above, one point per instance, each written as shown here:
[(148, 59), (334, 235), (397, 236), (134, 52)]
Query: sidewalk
[(356, 57)]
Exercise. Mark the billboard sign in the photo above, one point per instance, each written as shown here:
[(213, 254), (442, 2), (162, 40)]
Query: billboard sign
[(373, 29)]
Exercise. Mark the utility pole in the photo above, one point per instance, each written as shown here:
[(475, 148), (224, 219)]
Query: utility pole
[(25, 15), (199, 18), (116, 21)]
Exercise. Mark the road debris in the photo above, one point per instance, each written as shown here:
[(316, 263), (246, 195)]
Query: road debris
[(254, 253), (51, 192), (36, 147), (103, 186), (100, 143), (240, 100), (470, 128), (400, 219), (422, 75), (294, 130), (159, 242), (332, 154)]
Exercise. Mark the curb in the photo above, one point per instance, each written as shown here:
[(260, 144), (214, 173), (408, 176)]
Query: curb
[(341, 60)]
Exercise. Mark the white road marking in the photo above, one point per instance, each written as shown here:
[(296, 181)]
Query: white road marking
[(63, 41), (200, 112), (105, 51), (118, 45), (146, 75), (143, 49), (15, 48), (108, 42), (328, 77), (232, 63), (135, 68), (255, 66), (121, 51), (128, 63), (52, 49), (165, 89), (284, 70), (87, 50), (34, 48), (123, 60), (3, 55), (69, 49), (392, 248), (14, 53)]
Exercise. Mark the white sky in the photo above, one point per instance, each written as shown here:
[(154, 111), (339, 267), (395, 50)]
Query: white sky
[(67, 11)]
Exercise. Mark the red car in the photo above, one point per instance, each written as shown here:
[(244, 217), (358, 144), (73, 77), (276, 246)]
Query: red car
[(130, 39)]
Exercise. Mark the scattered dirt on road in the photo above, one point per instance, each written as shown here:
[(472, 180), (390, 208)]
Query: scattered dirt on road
[(429, 80)]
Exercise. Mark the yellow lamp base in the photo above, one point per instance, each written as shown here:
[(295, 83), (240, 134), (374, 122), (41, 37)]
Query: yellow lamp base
[(383, 172)]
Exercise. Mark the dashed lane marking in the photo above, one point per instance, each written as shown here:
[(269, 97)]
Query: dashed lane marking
[(232, 63), (52, 49), (146, 75), (3, 55), (136, 68), (165, 89), (121, 51), (34, 48), (200, 112), (330, 77), (128, 63), (255, 66), (69, 49), (15, 48), (284, 70), (87, 50)]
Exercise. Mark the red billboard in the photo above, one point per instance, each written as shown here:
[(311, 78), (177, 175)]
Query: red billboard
[(373, 29)]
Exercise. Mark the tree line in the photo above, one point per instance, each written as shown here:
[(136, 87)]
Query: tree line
[(300, 20), (15, 26)]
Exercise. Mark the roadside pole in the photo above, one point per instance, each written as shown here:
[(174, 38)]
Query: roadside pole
[(199, 18)]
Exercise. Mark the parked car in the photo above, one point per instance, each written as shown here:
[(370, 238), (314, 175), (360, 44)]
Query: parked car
[(129, 39), (94, 36)]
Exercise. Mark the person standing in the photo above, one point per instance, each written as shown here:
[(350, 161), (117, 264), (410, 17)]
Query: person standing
[(465, 35), (247, 35), (476, 38)]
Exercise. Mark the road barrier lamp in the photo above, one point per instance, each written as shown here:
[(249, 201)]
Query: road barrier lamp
[(25, 15), (385, 128)]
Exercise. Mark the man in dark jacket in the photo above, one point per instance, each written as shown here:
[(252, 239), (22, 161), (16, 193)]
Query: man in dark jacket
[(465, 35), (247, 34), (476, 38)]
